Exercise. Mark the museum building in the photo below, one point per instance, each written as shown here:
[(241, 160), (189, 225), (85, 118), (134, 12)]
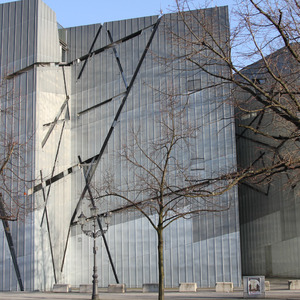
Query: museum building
[(80, 93)]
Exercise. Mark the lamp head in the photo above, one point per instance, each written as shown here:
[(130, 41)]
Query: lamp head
[(94, 211), (107, 218), (81, 219)]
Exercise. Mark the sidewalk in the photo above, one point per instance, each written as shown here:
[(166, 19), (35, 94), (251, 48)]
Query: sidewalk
[(279, 290), (131, 295)]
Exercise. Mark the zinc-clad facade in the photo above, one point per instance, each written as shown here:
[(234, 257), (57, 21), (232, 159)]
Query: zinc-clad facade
[(74, 103), (269, 212), (27, 30)]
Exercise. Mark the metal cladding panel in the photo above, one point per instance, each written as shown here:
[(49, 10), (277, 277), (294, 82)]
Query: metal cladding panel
[(22, 53), (269, 212), (28, 28), (28, 35), (205, 249), (84, 36), (23, 127), (53, 86), (269, 226), (47, 35), (123, 28), (18, 50)]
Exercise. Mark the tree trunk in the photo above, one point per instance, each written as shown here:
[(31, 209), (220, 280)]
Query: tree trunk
[(160, 249)]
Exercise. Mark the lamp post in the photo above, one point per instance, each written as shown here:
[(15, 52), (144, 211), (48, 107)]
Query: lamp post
[(83, 220)]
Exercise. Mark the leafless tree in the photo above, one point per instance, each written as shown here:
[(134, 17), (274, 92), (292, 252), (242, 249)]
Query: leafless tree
[(13, 149), (159, 183), (262, 56)]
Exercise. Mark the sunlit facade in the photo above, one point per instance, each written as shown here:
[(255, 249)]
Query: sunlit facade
[(83, 88)]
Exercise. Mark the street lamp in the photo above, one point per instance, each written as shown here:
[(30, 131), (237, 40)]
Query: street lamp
[(83, 221)]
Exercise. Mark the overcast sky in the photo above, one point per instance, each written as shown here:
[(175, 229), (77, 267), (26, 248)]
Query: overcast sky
[(71, 13)]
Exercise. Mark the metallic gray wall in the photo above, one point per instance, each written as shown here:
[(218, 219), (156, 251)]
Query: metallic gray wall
[(27, 28), (269, 214), (23, 231), (204, 249)]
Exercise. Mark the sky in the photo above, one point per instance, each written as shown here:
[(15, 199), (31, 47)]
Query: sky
[(71, 13)]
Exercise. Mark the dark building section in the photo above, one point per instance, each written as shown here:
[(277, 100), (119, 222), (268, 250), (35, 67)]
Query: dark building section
[(269, 212)]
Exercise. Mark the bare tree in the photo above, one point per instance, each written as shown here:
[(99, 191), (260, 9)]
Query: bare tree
[(13, 149), (262, 56), (159, 183)]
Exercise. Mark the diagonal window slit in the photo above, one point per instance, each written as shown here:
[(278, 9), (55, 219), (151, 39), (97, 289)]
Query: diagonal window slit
[(102, 49), (100, 104)]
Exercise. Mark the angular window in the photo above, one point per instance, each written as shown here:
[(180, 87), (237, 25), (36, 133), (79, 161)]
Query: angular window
[(62, 34), (194, 85)]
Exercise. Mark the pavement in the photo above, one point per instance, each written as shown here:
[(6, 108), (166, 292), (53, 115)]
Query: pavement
[(279, 290)]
